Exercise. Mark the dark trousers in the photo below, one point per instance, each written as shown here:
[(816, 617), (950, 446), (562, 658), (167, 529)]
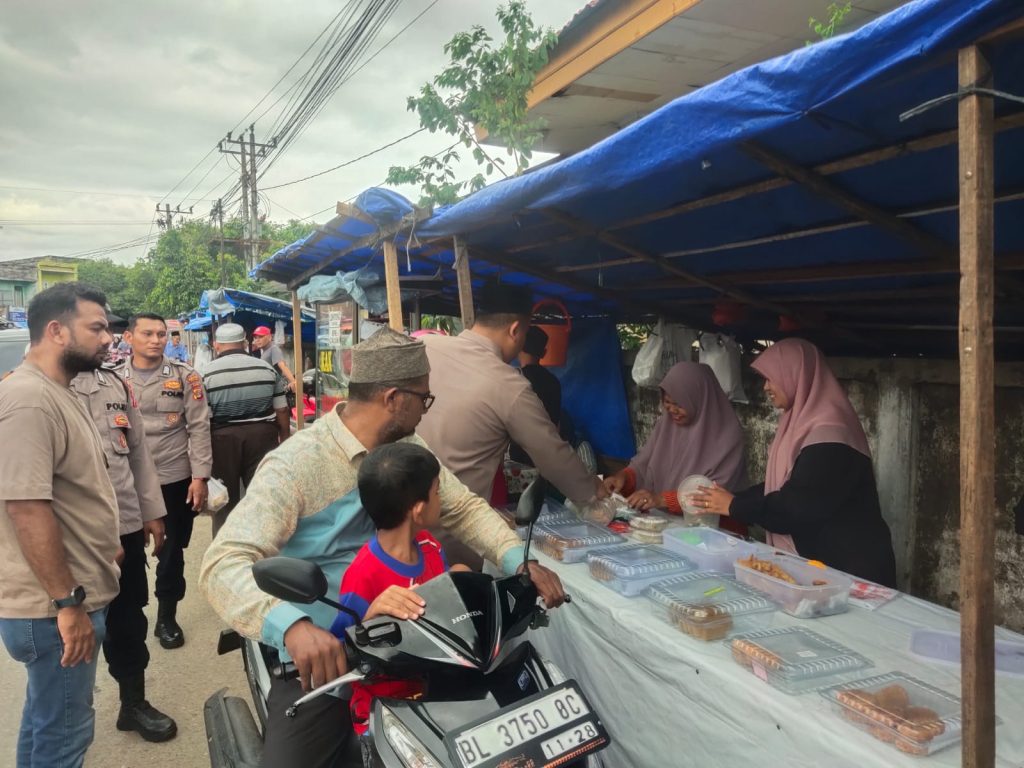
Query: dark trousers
[(237, 450), (319, 736), (170, 567), (125, 645)]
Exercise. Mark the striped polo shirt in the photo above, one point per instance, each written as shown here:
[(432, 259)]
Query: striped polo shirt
[(243, 389)]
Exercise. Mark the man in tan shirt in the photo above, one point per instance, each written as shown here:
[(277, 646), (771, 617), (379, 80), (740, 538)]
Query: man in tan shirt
[(173, 404), (58, 526), (482, 403), (141, 508)]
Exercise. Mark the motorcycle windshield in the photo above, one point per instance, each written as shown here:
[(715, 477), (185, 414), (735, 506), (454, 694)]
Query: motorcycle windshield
[(460, 614)]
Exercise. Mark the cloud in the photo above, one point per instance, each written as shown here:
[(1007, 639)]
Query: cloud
[(124, 98)]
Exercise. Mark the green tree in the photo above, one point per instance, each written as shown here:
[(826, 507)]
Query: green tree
[(484, 87), (836, 16)]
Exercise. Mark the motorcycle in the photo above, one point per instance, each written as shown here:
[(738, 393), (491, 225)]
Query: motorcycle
[(489, 700)]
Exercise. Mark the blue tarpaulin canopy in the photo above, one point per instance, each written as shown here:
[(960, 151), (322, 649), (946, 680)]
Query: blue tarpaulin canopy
[(791, 187), (248, 310)]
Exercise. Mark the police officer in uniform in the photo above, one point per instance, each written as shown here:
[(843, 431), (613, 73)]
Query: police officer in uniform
[(171, 397), (141, 508)]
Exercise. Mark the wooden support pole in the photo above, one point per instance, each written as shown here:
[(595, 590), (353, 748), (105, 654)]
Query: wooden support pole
[(300, 419), (394, 289), (465, 279), (977, 414)]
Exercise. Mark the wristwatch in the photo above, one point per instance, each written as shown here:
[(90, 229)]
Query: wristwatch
[(77, 597)]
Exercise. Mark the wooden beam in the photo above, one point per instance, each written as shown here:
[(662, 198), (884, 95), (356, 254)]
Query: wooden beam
[(977, 414), (395, 319), (849, 163), (821, 186), (465, 279), (300, 417), (1008, 31), (349, 210), (631, 21)]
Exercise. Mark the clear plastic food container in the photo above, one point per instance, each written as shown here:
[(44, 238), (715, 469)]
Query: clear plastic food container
[(709, 606), (914, 717), (551, 512), (692, 514), (632, 568), (800, 589), (794, 659), (570, 541), (649, 523), (710, 548)]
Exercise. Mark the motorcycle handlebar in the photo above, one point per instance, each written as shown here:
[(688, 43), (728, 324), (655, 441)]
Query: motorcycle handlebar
[(284, 671)]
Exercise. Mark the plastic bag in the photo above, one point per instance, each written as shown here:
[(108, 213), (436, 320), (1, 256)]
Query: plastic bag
[(668, 344), (217, 496), (722, 353)]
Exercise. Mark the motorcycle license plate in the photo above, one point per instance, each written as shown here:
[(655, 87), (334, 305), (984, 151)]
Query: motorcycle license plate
[(548, 729)]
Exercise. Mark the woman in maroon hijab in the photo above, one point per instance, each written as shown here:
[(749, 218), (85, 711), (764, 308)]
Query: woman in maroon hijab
[(819, 497), (697, 434)]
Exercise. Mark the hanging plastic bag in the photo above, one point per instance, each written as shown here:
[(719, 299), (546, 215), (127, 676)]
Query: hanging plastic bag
[(216, 497), (667, 345), (722, 353)]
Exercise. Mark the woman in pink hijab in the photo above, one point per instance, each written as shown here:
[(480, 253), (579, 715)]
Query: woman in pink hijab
[(697, 434), (819, 497)]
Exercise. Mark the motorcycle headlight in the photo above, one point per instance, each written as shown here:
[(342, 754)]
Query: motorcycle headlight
[(408, 748)]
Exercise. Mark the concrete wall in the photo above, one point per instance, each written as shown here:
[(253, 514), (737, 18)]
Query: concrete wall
[(910, 412)]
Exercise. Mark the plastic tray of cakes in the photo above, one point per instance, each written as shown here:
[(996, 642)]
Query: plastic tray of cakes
[(710, 548), (800, 589), (796, 660), (709, 606), (916, 718), (570, 541), (551, 512), (630, 569)]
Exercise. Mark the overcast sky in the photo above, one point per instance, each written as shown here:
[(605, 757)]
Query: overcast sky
[(112, 103)]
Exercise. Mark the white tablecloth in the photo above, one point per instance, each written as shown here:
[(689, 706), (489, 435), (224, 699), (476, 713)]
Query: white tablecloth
[(670, 700)]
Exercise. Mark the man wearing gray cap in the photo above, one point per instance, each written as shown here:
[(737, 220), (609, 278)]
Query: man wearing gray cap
[(304, 502), (248, 413)]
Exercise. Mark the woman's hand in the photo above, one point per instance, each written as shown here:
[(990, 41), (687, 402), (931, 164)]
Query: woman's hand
[(615, 483), (642, 500), (714, 500)]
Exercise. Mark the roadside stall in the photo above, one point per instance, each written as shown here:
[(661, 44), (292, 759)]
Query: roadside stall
[(864, 193)]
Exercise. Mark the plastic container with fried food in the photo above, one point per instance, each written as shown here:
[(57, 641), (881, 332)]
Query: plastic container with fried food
[(710, 606), (631, 568), (800, 589), (570, 541), (913, 716), (794, 659)]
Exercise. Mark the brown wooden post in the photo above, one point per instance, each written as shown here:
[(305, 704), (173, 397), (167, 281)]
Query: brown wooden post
[(394, 290), (977, 415), (465, 279), (300, 420)]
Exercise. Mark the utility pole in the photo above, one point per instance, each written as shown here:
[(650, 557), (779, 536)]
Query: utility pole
[(167, 222), (218, 213), (250, 195)]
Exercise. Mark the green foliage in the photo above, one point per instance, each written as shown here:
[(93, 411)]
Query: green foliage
[(450, 325), (633, 335), (484, 87), (186, 261), (836, 16)]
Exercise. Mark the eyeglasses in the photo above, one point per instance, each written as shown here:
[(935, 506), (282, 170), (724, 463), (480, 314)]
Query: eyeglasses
[(425, 397)]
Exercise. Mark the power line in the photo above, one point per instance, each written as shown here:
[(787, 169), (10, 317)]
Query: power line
[(150, 196), (57, 223), (348, 162)]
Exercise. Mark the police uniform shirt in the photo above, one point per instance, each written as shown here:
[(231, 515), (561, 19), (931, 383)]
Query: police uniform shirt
[(123, 437), (176, 417)]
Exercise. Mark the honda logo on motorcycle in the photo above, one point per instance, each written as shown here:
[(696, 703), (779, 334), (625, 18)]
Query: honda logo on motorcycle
[(465, 616)]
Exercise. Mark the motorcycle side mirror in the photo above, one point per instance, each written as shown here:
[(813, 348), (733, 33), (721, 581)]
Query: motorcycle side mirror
[(298, 581), (531, 502), (290, 579)]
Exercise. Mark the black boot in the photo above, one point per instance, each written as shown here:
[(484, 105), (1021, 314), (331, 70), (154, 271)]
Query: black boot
[(167, 630), (139, 715)]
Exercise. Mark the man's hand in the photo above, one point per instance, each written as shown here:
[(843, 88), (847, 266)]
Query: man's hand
[(318, 655), (153, 532), (600, 491), (119, 556), (548, 585), (396, 601), (197, 493), (77, 635), (615, 483)]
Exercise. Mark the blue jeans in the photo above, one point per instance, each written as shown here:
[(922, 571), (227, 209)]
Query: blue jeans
[(57, 723)]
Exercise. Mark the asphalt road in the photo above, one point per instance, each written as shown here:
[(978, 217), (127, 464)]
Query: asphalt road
[(178, 682)]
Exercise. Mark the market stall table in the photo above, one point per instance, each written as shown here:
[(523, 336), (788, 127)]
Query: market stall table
[(671, 700)]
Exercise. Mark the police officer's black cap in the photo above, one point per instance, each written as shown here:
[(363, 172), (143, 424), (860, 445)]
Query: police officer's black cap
[(503, 299)]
